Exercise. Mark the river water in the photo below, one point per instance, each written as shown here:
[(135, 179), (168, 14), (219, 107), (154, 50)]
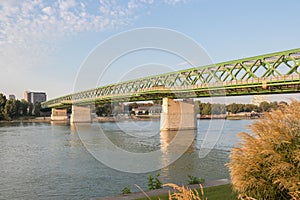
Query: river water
[(50, 161)]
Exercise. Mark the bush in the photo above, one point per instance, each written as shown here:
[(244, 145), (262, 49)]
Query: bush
[(126, 190), (195, 180), (154, 183), (266, 165)]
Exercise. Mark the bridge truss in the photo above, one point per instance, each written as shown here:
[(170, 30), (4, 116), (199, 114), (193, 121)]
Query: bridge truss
[(266, 74)]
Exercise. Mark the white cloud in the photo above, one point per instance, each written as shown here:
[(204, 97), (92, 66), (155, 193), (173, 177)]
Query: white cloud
[(26, 25)]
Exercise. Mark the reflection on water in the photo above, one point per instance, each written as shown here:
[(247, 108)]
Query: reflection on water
[(49, 161)]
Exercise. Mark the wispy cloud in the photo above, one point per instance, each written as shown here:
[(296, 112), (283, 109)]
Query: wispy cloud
[(26, 27)]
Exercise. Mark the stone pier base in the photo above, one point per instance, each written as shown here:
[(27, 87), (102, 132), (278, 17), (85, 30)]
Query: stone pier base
[(59, 114), (81, 114), (177, 115)]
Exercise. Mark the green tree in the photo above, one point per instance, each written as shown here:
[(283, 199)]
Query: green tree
[(265, 107), (10, 109), (2, 105), (37, 109), (217, 109), (206, 109), (233, 108), (30, 108), (103, 109), (24, 107)]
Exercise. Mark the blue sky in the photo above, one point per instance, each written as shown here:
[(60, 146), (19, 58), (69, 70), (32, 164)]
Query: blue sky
[(44, 43)]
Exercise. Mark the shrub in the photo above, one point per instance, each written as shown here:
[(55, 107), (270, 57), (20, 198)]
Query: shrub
[(153, 182), (266, 165), (126, 190), (195, 180)]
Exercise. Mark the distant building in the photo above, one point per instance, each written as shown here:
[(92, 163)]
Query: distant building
[(11, 97), (257, 99), (34, 97)]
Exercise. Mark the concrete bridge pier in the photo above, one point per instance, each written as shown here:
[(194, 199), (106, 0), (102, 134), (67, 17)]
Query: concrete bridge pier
[(59, 114), (178, 115), (81, 114)]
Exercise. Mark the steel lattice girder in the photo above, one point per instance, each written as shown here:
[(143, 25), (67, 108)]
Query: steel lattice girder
[(228, 77)]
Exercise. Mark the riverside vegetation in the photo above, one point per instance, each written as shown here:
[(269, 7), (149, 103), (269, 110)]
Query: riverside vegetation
[(13, 109), (266, 164)]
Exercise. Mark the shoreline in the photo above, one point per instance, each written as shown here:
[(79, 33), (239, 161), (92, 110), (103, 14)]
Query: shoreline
[(131, 118), (151, 193)]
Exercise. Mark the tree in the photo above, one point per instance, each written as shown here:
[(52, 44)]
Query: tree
[(233, 108), (30, 108), (24, 107), (265, 106), (266, 164), (10, 110), (37, 109), (103, 109), (217, 109), (2, 105), (206, 109)]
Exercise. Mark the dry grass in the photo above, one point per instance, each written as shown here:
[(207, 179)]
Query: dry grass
[(184, 193), (266, 164)]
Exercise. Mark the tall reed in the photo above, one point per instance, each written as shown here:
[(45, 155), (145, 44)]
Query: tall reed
[(266, 164)]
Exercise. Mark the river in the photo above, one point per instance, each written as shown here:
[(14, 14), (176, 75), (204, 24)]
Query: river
[(50, 161)]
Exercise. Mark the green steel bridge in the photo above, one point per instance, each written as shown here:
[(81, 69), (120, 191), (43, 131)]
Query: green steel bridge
[(273, 73)]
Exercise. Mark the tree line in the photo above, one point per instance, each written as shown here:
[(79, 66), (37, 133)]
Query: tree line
[(12, 108), (215, 109)]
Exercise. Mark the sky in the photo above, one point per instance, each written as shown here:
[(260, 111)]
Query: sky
[(44, 44)]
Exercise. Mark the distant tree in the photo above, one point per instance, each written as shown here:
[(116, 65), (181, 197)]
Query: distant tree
[(250, 108), (104, 109), (37, 109), (206, 109), (30, 108), (24, 107), (233, 108), (282, 103), (18, 108), (10, 109), (2, 105), (265, 107), (217, 109)]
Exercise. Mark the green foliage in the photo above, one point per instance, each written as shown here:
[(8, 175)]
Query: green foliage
[(266, 165), (215, 109), (37, 109), (12, 109), (30, 109), (153, 182), (195, 180), (2, 105), (24, 107), (104, 109), (126, 190)]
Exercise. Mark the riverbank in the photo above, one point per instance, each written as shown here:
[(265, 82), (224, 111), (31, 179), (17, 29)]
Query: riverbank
[(28, 119), (127, 118), (163, 191), (238, 116)]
